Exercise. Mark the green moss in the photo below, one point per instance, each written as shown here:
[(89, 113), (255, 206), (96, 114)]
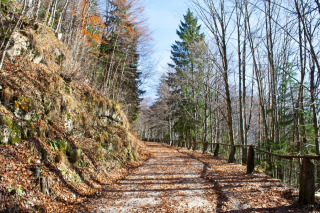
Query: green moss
[(15, 127), (119, 163), (15, 133), (7, 121), (69, 115), (31, 131), (100, 154), (132, 157), (14, 140), (63, 145), (67, 90), (99, 145)]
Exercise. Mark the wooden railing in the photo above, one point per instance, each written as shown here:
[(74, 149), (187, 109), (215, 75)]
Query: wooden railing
[(306, 177)]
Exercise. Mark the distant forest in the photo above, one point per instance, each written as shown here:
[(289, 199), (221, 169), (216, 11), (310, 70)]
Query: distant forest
[(242, 72)]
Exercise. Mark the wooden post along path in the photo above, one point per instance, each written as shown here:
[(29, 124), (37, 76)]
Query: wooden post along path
[(307, 186), (306, 178), (250, 160)]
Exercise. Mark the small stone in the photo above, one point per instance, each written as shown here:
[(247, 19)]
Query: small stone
[(5, 135), (59, 36), (37, 59)]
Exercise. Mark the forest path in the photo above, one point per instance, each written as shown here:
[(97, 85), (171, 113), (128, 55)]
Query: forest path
[(179, 180), (169, 181)]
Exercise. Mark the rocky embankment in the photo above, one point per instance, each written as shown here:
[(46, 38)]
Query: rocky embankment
[(60, 140)]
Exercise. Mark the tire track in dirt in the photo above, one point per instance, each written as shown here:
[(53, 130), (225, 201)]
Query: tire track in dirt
[(168, 182)]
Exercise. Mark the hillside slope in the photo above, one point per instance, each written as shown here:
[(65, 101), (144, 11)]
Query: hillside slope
[(60, 140)]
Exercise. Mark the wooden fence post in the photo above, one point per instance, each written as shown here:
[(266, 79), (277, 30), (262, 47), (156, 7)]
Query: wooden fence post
[(189, 145), (307, 186), (194, 146), (216, 151), (244, 155), (250, 160), (205, 147)]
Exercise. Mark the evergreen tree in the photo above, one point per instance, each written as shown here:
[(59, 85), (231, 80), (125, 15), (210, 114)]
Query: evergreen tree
[(120, 77), (184, 76), (189, 32)]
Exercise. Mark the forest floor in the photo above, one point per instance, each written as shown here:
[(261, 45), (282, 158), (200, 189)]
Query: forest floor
[(178, 180)]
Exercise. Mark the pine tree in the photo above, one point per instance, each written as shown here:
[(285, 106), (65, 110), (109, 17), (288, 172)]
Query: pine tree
[(183, 79), (119, 57), (189, 32)]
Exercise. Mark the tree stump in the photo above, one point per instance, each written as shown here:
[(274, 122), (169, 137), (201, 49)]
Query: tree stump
[(43, 185), (76, 155)]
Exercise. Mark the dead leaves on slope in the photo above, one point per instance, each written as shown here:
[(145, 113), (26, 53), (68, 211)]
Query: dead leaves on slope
[(248, 193)]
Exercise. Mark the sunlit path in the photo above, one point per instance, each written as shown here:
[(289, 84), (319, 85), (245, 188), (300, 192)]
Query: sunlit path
[(180, 180), (169, 181)]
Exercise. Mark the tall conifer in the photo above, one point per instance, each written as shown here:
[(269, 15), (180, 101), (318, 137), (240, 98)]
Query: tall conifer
[(182, 79)]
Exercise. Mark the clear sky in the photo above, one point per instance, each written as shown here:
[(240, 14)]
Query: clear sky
[(164, 18)]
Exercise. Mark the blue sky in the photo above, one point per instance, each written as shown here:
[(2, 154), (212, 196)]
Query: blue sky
[(164, 18)]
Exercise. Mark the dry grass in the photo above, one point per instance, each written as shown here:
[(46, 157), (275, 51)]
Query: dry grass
[(55, 54)]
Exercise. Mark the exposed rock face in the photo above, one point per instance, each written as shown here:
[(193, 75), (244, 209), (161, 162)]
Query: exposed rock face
[(68, 124), (109, 116), (49, 118), (20, 44), (36, 57), (10, 130), (42, 101)]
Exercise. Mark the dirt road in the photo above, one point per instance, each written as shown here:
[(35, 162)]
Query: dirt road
[(179, 180), (169, 181)]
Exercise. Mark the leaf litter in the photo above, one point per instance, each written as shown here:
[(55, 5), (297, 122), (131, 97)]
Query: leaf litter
[(172, 180), (180, 180)]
